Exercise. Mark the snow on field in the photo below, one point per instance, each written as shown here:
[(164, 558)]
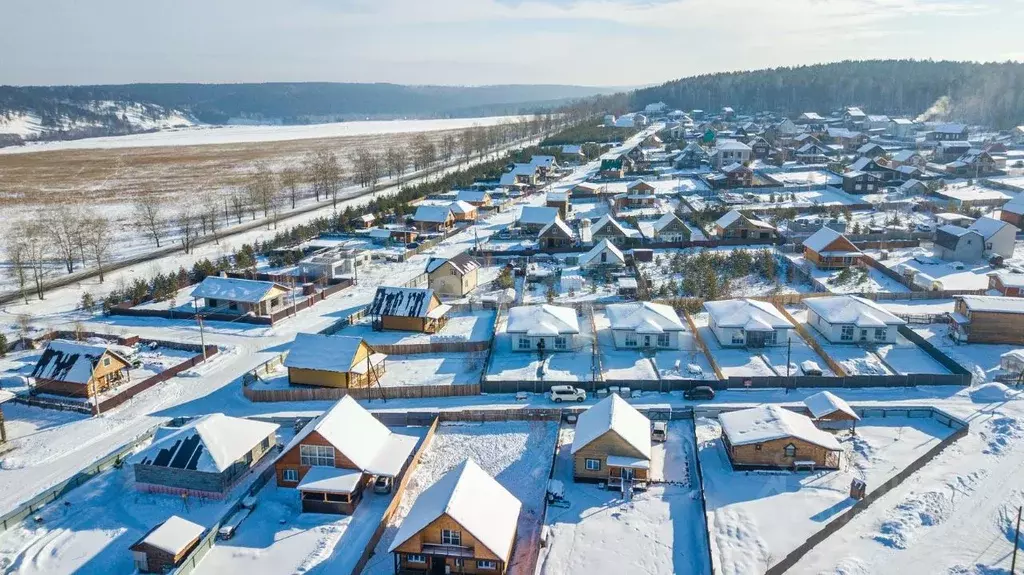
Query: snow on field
[(660, 273), (658, 532), (873, 282), (756, 518), (516, 453), (621, 364), (434, 369), (905, 357), (981, 359), (806, 178), (509, 365), (206, 135), (461, 326), (919, 307), (90, 532), (973, 276), (734, 362)]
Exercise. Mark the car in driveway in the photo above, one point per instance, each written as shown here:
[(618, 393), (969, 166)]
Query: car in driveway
[(699, 392), (382, 484), (560, 393)]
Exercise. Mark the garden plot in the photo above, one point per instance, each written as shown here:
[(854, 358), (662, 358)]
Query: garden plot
[(760, 274), (461, 327), (734, 362), (686, 363), (797, 353), (576, 286), (923, 261), (90, 529), (658, 532), (905, 357), (981, 359), (796, 199), (621, 364), (516, 453), (807, 178), (756, 518), (851, 280)]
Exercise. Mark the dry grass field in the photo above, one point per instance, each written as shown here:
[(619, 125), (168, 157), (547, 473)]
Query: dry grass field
[(95, 177)]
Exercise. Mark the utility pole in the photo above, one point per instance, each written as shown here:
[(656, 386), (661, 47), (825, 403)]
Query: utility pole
[(789, 355), (202, 333), (1016, 543)]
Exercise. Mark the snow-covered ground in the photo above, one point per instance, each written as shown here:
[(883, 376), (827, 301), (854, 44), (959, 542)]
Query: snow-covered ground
[(756, 518), (872, 282), (658, 532), (973, 276), (461, 326), (208, 134), (563, 366), (518, 454)]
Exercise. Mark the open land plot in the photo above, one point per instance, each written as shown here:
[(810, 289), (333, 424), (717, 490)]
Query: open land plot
[(807, 177), (659, 532), (461, 326), (403, 370), (277, 537), (516, 453), (981, 359), (661, 273), (905, 357), (93, 528), (575, 286), (792, 199), (756, 518), (973, 276), (873, 281)]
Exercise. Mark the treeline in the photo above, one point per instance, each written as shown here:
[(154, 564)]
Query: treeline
[(709, 274), (582, 134), (990, 94)]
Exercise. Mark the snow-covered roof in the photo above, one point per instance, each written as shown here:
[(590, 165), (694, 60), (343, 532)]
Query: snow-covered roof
[(613, 414), (910, 184), (471, 498), (904, 155), (544, 319), (334, 353), (432, 214), (572, 149), (851, 309), (749, 314), (638, 183), (461, 207), (991, 303), (364, 440), (5, 396), (462, 263), (604, 246), (557, 223), (1014, 206), (732, 145), (664, 221), (643, 317), (733, 215), (210, 444), (473, 195), (71, 361), (988, 226), (400, 301), (330, 480), (607, 220), (825, 402), (235, 289), (537, 215), (771, 422), (173, 535), (542, 161), (950, 128), (821, 239)]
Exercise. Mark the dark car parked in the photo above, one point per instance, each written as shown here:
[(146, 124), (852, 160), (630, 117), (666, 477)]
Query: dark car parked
[(699, 392)]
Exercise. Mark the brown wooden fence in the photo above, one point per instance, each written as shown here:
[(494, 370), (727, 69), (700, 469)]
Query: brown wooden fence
[(703, 346), (114, 401), (396, 500), (813, 343), (433, 347), (334, 394)]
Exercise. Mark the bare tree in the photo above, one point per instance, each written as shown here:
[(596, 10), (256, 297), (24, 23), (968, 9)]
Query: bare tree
[(448, 146), (37, 249), (466, 143), (238, 205), (17, 254), (99, 236), (423, 151), (395, 161), (211, 207), (188, 226), (290, 179), (261, 189), (325, 174), (64, 225), (149, 216), (367, 168)]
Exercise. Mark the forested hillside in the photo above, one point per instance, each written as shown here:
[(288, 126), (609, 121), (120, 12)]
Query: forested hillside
[(990, 94)]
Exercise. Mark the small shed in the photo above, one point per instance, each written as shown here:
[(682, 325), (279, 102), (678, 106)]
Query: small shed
[(333, 361), (165, 546), (830, 411), (770, 436)]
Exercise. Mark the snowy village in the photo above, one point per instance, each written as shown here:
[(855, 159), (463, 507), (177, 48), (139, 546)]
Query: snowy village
[(662, 341)]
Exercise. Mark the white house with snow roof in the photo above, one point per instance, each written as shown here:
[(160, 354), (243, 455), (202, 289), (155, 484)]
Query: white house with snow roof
[(612, 443), (644, 325), (603, 255), (852, 319), (205, 457), (465, 522), (240, 296), (335, 456), (747, 323), (542, 327), (1000, 236), (533, 218), (770, 436)]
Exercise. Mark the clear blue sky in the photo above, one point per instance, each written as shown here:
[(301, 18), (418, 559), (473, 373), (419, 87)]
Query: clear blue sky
[(591, 42)]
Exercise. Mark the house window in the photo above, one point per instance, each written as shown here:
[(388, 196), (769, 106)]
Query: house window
[(459, 563), (524, 343), (847, 333), (880, 334), (106, 362), (316, 455), (757, 447), (790, 450), (630, 339), (737, 337), (451, 537), (663, 340), (593, 464), (415, 558), (486, 564), (559, 343), (290, 475), (265, 444), (856, 186)]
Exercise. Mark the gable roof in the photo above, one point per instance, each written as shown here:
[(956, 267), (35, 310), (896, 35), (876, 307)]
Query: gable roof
[(643, 317), (461, 262), (461, 207), (334, 353), (603, 246), (172, 536), (400, 301), (771, 422), (825, 402), (850, 309), (821, 239), (732, 145), (948, 236), (210, 444), (613, 414), (750, 314), (432, 214), (359, 436), (473, 195), (733, 216), (988, 226), (234, 289), (556, 225), (995, 304), (905, 155), (666, 220), (537, 215), (71, 361), (471, 498), (542, 320)]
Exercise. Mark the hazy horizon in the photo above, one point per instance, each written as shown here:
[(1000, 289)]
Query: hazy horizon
[(595, 43)]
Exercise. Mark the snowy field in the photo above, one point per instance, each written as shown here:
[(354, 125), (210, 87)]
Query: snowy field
[(657, 532), (206, 134), (279, 538), (981, 359), (754, 284), (806, 178), (516, 453), (756, 518)]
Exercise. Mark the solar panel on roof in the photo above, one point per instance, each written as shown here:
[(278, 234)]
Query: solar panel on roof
[(185, 452), (163, 458)]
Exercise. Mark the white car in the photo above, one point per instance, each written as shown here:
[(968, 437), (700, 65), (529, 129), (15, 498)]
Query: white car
[(560, 393)]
